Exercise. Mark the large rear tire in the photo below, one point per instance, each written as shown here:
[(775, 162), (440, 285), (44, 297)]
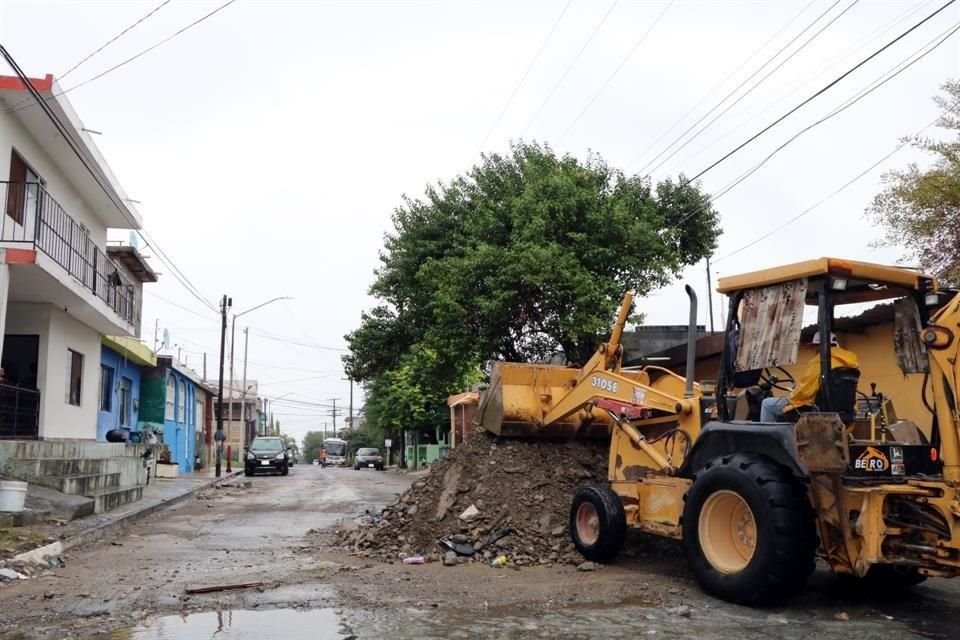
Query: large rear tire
[(598, 523), (749, 532)]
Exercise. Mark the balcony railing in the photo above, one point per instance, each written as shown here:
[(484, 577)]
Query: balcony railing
[(19, 413), (31, 216)]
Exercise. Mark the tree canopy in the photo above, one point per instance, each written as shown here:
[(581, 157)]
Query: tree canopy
[(312, 443), (918, 208), (523, 257)]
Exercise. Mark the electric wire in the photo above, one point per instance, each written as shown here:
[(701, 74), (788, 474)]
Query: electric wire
[(619, 67), (890, 75), (523, 78), (178, 305), (720, 84), (133, 57), (799, 86), (751, 89), (95, 174), (821, 91), (829, 196), (569, 67), (113, 39)]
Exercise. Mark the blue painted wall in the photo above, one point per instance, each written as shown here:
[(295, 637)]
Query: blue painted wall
[(180, 433), (119, 369)]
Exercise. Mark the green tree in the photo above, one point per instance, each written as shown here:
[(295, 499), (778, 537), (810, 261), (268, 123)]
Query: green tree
[(312, 443), (919, 209), (524, 256)]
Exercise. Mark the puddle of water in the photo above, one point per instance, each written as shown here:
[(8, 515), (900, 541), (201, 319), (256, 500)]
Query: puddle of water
[(290, 624)]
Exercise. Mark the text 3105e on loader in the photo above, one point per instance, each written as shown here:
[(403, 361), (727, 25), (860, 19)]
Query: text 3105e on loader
[(755, 502)]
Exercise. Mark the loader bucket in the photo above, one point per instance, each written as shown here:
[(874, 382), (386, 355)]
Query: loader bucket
[(519, 396)]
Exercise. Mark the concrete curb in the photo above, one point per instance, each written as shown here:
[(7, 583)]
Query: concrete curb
[(97, 532)]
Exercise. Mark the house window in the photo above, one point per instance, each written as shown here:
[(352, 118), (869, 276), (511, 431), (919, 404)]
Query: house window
[(182, 403), (171, 393), (126, 402), (106, 388), (23, 190), (74, 377)]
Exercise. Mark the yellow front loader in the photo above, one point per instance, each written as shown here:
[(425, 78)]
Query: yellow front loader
[(755, 502)]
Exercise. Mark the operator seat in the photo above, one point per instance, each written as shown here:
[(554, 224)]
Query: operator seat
[(842, 397)]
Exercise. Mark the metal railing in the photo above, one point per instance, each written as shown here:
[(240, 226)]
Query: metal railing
[(19, 413), (31, 216)]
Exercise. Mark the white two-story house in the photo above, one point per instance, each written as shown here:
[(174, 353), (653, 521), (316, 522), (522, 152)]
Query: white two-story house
[(61, 288)]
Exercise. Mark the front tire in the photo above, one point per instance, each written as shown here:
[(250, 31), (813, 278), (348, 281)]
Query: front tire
[(598, 523), (285, 470), (749, 532)]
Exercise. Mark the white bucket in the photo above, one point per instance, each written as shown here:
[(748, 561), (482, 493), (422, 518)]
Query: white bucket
[(12, 495)]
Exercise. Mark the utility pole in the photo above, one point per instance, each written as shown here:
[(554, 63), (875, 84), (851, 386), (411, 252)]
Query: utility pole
[(709, 294), (243, 389), (204, 365), (156, 334), (225, 304), (351, 403), (334, 413)]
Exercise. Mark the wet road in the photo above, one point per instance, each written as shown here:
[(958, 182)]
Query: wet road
[(226, 536), (135, 588)]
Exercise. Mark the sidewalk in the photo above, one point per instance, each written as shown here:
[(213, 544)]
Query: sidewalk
[(159, 494)]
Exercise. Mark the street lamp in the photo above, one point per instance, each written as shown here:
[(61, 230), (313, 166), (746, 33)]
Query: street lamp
[(233, 328)]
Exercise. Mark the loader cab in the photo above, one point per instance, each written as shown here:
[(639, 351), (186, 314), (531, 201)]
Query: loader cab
[(773, 316)]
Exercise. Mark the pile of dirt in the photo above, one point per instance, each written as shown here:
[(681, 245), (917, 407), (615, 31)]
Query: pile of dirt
[(488, 497)]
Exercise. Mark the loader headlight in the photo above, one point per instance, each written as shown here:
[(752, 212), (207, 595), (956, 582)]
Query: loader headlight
[(839, 284), (932, 299)]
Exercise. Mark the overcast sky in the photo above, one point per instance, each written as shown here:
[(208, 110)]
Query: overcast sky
[(269, 144)]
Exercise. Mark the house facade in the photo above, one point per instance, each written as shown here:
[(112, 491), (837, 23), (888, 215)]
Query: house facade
[(169, 407), (60, 288), (121, 360)]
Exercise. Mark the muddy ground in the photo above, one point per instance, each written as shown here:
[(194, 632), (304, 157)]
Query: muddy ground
[(277, 532)]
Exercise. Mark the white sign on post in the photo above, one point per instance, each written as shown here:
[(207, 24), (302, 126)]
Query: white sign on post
[(387, 442)]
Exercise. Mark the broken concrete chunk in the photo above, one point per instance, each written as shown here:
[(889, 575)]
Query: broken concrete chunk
[(470, 513)]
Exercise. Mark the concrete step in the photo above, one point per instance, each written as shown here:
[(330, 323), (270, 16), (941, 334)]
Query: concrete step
[(109, 499), (40, 470), (70, 449), (85, 484)]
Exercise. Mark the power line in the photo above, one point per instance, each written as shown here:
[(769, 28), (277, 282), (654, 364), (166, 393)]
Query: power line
[(135, 56), (569, 67), (890, 75), (823, 90), (102, 47), (798, 86), (179, 306), (97, 177), (829, 196), (617, 70), (113, 39), (298, 343), (721, 83), (523, 78), (755, 85), (299, 379)]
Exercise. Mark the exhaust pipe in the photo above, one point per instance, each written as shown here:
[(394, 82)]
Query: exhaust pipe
[(691, 342)]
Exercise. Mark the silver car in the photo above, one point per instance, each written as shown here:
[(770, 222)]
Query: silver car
[(368, 457)]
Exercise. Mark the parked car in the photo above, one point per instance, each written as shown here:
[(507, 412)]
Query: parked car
[(267, 454), (368, 457)]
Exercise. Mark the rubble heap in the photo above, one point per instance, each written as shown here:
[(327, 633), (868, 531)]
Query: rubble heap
[(487, 498)]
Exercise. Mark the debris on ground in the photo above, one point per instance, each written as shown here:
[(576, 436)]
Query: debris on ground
[(222, 587), (486, 498)]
